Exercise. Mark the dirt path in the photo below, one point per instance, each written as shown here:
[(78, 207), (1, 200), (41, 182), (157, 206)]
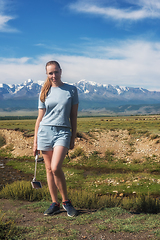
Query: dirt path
[(59, 226)]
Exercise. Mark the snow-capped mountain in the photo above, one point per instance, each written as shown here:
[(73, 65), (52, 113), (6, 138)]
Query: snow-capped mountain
[(85, 89), (26, 89), (91, 95), (110, 92)]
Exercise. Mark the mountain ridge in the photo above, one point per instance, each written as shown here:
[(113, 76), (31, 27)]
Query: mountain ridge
[(93, 96)]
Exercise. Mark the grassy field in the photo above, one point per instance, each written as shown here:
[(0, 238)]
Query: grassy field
[(85, 124), (102, 175), (26, 221), (96, 182)]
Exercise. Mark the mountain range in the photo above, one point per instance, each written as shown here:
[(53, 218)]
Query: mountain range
[(93, 97)]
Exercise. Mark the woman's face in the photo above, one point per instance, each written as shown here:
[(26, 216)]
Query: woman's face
[(54, 74)]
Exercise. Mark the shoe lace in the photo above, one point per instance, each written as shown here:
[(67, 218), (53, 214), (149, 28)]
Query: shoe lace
[(68, 203), (55, 205)]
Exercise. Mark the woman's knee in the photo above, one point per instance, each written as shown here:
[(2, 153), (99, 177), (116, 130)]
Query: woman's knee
[(56, 170), (48, 169)]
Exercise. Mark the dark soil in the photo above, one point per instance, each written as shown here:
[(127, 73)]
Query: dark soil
[(8, 174), (26, 217)]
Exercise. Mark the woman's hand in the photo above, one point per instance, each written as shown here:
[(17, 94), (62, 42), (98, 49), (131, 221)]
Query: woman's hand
[(41, 113), (71, 143), (73, 119), (35, 151)]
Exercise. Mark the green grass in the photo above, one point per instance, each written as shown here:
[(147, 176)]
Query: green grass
[(139, 125), (135, 125), (8, 228), (97, 174), (6, 152), (22, 190), (88, 223), (111, 186), (102, 174)]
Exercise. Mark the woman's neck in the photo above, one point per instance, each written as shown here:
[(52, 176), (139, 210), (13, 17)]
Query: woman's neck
[(57, 84)]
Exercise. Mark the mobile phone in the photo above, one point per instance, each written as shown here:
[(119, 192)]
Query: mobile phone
[(36, 184)]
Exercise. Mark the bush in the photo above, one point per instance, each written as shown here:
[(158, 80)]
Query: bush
[(109, 155), (83, 199), (131, 131), (8, 230), (2, 141), (77, 152), (7, 151), (22, 190), (154, 136), (147, 205), (143, 204)]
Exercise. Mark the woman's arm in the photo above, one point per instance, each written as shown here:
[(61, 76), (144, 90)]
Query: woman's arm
[(41, 113), (73, 120)]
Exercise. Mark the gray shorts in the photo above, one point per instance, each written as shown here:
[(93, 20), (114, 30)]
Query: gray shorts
[(50, 136)]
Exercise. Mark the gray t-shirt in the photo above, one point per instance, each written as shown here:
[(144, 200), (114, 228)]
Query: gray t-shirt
[(58, 105)]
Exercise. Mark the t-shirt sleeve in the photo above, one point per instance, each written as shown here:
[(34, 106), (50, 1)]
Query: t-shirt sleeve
[(40, 103), (75, 99)]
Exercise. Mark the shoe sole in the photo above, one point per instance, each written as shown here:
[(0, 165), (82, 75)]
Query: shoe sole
[(50, 214)]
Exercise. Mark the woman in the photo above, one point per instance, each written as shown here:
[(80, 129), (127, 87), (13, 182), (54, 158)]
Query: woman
[(58, 106)]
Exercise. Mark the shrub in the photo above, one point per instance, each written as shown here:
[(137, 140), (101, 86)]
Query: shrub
[(131, 143), (131, 131), (135, 161), (8, 230), (147, 204), (109, 155), (79, 135), (77, 152), (22, 190), (90, 200), (142, 203), (7, 151), (154, 136), (2, 141)]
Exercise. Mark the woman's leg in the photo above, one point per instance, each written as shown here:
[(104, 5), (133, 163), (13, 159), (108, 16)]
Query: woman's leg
[(47, 155), (56, 179), (59, 153)]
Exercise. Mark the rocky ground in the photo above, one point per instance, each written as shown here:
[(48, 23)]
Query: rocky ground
[(120, 142)]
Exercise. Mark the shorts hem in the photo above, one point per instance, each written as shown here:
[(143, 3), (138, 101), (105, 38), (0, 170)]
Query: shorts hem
[(50, 149), (62, 145)]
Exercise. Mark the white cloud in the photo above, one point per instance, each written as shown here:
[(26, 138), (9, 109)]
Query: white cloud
[(4, 18), (127, 63), (4, 27), (144, 9), (18, 70), (18, 61)]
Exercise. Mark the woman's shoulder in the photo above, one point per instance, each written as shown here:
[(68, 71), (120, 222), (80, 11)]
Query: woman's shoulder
[(69, 86)]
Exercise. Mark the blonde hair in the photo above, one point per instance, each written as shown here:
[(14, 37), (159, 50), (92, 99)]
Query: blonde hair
[(47, 84)]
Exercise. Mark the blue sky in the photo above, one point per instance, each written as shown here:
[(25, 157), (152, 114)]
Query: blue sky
[(110, 42)]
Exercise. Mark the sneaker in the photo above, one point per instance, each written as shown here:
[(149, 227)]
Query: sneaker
[(71, 211), (53, 209)]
